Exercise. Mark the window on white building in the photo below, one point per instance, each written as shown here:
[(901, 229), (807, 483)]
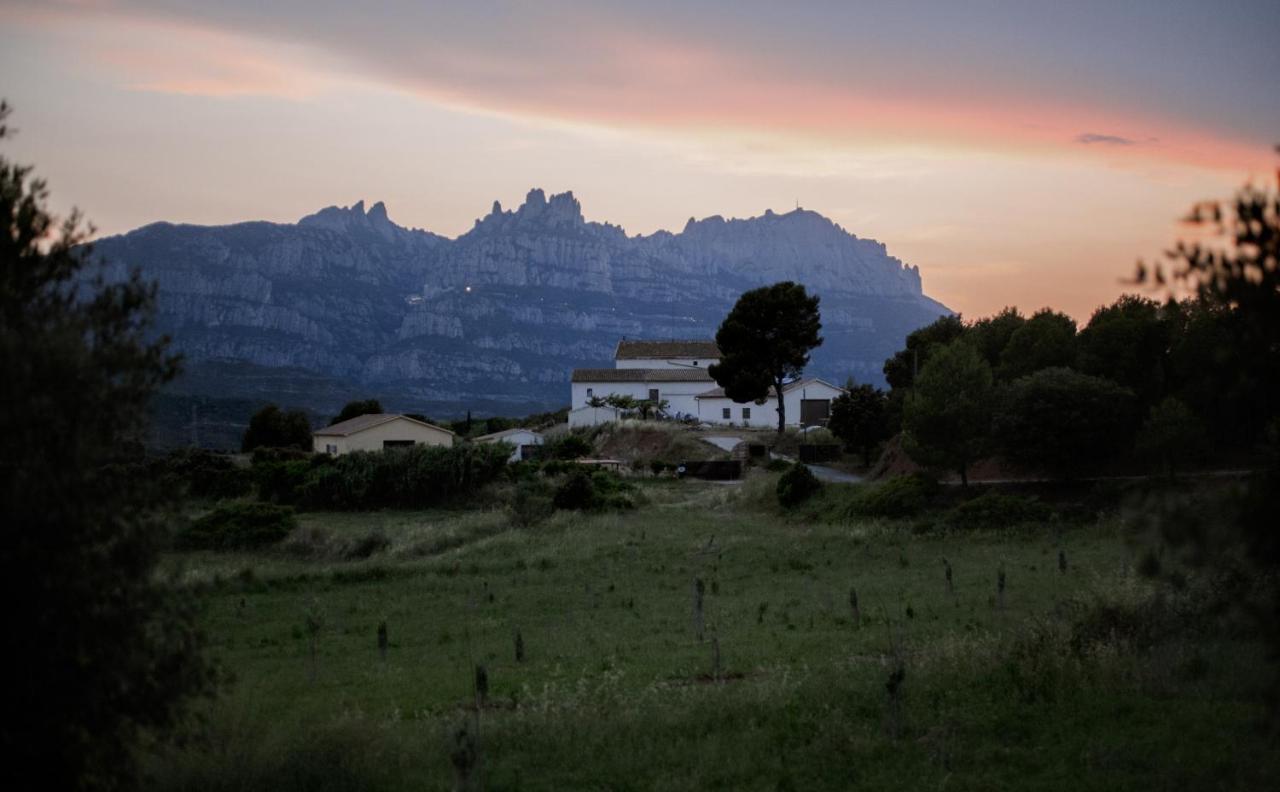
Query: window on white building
[(746, 413), (725, 414)]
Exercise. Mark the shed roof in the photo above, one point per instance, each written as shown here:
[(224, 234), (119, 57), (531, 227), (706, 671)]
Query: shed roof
[(641, 375), (662, 350), (362, 422), (506, 433)]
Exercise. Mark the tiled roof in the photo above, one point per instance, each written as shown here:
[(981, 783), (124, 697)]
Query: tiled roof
[(363, 422), (718, 393), (641, 375), (665, 350)]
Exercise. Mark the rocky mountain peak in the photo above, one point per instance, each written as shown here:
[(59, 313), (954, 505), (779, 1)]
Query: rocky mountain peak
[(560, 212)]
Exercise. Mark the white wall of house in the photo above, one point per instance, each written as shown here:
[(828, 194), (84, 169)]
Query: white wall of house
[(592, 416), (670, 363), (373, 439), (680, 395), (805, 389), (712, 410)]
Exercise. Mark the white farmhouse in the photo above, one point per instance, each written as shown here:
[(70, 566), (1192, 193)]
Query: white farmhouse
[(377, 431), (526, 442), (677, 372)]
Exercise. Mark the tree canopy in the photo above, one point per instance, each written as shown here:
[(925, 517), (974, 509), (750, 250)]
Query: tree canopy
[(1046, 340), (900, 370), (1061, 421), (1126, 343), (354, 409), (108, 651), (859, 419), (947, 415), (765, 343), (272, 427)]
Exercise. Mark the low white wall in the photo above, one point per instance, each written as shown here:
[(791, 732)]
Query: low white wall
[(592, 416)]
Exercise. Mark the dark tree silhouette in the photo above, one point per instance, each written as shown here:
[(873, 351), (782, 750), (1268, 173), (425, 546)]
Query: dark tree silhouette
[(1061, 421), (109, 652), (859, 418), (901, 369), (1046, 340), (765, 343), (1127, 342), (271, 427), (354, 409), (992, 334)]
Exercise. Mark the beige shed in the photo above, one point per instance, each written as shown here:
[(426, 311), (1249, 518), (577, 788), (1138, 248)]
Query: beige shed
[(377, 431)]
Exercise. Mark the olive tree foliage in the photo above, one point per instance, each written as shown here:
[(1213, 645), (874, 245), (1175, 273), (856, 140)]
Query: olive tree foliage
[(1062, 422), (765, 343), (947, 415), (105, 653), (859, 418)]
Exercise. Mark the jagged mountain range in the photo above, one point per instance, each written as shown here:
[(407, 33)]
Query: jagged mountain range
[(345, 302)]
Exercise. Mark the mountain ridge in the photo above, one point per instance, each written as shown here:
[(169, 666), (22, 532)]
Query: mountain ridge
[(500, 314)]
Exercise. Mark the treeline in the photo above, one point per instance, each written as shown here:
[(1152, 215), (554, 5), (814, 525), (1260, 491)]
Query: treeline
[(1142, 382)]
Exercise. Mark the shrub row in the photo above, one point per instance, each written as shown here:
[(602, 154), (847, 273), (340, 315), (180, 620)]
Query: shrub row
[(238, 526), (408, 478)]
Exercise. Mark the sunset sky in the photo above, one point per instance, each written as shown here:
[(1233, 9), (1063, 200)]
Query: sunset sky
[(1018, 152)]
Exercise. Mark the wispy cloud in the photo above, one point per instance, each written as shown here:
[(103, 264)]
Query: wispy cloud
[(1090, 138)]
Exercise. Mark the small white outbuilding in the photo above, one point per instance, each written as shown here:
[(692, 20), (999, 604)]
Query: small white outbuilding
[(378, 431), (526, 442)]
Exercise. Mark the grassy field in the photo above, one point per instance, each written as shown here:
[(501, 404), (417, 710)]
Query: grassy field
[(1075, 679)]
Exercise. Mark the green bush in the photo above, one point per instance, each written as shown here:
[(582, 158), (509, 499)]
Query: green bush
[(797, 485), (567, 446), (238, 526), (205, 474), (531, 503), (612, 491), (578, 492), (995, 510), (281, 481), (900, 496)]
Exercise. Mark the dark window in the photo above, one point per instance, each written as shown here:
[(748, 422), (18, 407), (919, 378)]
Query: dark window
[(746, 413), (396, 443), (653, 394), (725, 413)]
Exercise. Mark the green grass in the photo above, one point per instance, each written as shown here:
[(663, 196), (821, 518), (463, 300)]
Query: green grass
[(616, 691)]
